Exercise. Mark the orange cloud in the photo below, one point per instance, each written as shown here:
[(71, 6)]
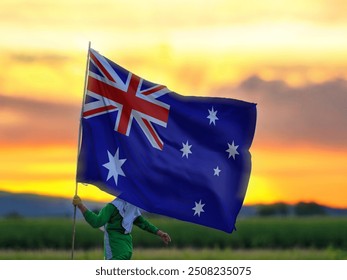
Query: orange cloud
[(293, 174)]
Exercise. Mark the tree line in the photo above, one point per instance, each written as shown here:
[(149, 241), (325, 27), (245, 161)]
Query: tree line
[(283, 209)]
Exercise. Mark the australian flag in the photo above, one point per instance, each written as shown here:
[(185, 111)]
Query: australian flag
[(178, 156)]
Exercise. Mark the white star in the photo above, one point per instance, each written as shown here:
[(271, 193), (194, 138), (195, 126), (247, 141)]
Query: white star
[(216, 171), (114, 166), (232, 150), (186, 149), (198, 208), (212, 116)]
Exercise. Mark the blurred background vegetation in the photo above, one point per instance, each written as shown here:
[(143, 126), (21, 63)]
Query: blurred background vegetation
[(276, 232)]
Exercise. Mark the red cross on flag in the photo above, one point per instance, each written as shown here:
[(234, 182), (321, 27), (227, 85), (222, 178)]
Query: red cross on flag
[(129, 96)]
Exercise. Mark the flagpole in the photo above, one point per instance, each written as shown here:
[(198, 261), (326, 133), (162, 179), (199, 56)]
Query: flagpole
[(78, 150)]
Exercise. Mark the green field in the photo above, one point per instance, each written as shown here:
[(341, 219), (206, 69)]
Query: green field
[(181, 254), (255, 238)]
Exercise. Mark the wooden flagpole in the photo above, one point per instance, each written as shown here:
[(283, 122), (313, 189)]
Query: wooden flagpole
[(78, 150)]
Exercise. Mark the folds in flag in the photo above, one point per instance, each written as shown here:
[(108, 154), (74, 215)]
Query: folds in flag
[(182, 157)]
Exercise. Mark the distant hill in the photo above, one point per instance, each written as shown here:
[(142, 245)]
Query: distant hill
[(31, 205), (335, 212), (255, 210)]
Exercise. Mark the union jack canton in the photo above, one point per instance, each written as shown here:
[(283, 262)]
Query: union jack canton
[(115, 89)]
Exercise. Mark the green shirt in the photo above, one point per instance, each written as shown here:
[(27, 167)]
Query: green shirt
[(117, 244)]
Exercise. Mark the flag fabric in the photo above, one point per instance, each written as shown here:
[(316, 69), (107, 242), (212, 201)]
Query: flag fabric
[(178, 156)]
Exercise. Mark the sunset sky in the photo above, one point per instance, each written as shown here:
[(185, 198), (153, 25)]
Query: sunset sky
[(289, 57)]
